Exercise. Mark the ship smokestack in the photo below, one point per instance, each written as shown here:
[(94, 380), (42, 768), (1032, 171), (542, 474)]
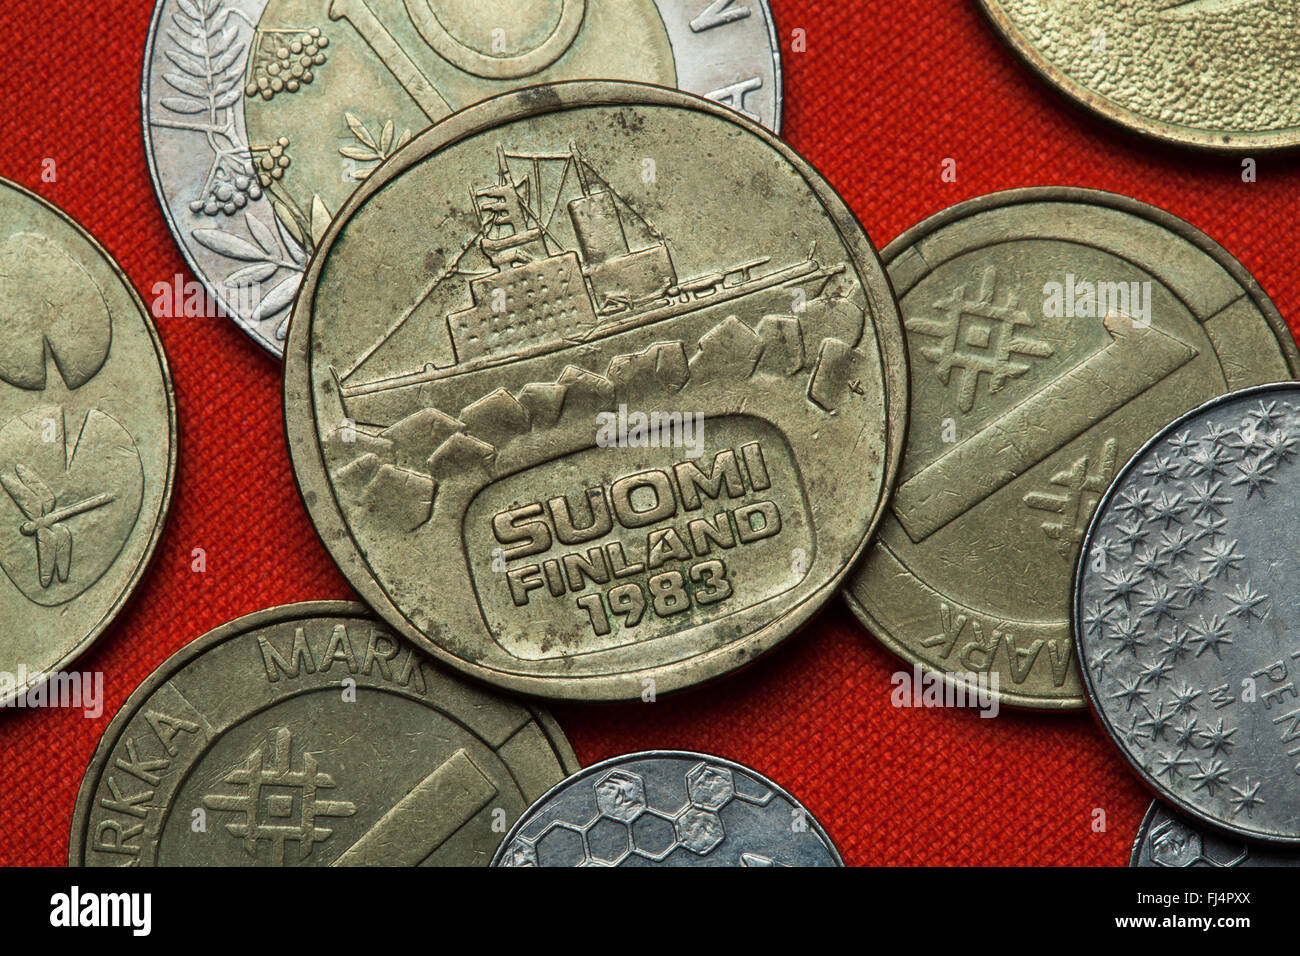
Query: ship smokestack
[(599, 228)]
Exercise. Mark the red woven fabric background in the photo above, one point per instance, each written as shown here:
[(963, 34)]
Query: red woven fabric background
[(877, 102)]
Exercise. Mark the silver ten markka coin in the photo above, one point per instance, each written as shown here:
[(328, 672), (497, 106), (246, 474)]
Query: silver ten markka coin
[(310, 735), (262, 116), (1186, 616), (1168, 839), (87, 445), (667, 808)]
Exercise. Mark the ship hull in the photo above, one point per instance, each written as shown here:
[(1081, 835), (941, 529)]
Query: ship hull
[(384, 403)]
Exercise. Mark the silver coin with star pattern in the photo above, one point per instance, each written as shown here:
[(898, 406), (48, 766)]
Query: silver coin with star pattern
[(1186, 612)]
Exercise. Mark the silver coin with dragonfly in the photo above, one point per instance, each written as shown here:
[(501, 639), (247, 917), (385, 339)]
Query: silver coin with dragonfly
[(262, 116), (1186, 614), (667, 808)]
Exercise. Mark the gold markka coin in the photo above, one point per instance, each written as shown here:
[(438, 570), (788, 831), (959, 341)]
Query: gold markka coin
[(311, 735), (1212, 74), (1051, 331), (87, 441), (595, 390)]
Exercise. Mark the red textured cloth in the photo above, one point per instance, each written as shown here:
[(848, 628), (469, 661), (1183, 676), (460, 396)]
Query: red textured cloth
[(877, 102)]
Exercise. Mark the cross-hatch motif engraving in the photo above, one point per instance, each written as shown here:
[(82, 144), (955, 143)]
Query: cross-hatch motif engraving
[(1169, 586), (979, 336), (279, 805), (1082, 485)]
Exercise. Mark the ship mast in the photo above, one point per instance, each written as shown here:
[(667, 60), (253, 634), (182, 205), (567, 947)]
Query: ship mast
[(579, 168)]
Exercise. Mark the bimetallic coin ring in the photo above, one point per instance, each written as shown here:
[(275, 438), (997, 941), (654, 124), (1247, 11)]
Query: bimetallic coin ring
[(262, 116)]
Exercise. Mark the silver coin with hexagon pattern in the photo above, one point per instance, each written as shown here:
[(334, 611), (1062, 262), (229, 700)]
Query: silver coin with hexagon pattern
[(1170, 840), (1186, 615), (667, 808)]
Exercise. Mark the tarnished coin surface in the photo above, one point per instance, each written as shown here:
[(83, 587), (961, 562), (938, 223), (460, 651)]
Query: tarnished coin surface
[(87, 440), (1051, 332), (310, 735), (1213, 74), (262, 116), (595, 391), (1186, 615), (667, 808), (1169, 839)]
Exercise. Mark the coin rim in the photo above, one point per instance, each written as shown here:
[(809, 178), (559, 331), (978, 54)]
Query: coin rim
[(774, 41), (1223, 142), (1144, 828), (173, 227), (115, 609), (1076, 612), (1074, 195), (304, 444), (164, 672), (622, 759), (250, 328)]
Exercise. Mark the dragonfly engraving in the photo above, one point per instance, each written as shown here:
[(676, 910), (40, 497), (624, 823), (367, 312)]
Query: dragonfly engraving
[(45, 520)]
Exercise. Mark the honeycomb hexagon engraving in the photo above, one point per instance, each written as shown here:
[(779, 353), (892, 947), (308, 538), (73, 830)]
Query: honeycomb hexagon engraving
[(626, 825), (561, 845), (710, 787), (654, 836), (608, 842), (699, 830), (621, 796)]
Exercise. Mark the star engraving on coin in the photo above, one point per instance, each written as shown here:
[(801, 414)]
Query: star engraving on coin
[(1222, 654)]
